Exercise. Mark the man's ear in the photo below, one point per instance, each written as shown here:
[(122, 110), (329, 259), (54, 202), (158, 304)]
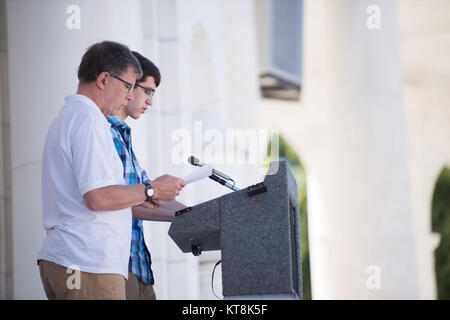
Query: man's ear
[(102, 79)]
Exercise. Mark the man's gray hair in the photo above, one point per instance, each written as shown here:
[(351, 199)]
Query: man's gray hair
[(107, 56)]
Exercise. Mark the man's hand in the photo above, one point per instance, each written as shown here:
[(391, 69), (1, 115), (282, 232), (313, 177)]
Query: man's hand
[(167, 187), (152, 204)]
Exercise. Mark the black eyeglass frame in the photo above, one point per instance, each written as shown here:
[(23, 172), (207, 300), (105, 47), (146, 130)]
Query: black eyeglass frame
[(130, 86), (148, 91)]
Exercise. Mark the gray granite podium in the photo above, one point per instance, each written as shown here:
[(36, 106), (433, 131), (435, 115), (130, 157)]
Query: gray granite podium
[(257, 230)]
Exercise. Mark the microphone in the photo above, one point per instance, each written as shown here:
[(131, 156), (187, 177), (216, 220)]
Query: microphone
[(196, 162), (217, 176)]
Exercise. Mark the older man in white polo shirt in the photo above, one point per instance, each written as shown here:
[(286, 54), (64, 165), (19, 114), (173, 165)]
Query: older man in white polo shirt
[(86, 204)]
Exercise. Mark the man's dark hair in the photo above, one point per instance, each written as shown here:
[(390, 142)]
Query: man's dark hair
[(148, 69), (107, 56)]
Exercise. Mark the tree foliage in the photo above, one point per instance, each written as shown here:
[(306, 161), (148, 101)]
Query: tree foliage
[(440, 223)]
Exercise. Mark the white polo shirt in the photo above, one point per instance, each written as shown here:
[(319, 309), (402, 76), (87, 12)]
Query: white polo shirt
[(79, 156)]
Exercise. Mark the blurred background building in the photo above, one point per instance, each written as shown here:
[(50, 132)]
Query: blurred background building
[(357, 89)]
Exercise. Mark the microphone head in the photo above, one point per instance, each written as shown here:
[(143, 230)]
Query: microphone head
[(194, 161)]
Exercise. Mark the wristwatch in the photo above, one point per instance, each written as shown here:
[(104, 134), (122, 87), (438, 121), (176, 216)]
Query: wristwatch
[(149, 191)]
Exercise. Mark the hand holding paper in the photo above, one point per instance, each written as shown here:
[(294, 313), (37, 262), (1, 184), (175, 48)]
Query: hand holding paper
[(167, 187)]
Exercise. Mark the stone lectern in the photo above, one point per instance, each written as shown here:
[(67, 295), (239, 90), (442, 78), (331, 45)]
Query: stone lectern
[(257, 230)]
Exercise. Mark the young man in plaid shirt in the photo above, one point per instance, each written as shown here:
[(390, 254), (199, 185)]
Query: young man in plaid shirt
[(139, 285)]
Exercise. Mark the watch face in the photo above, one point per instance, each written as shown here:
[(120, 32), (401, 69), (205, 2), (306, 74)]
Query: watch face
[(150, 192)]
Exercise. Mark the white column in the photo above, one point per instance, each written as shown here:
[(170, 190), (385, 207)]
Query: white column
[(360, 216), (6, 289), (43, 57), (242, 88), (148, 142), (426, 78), (176, 274)]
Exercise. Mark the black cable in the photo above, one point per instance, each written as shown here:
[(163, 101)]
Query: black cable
[(212, 280)]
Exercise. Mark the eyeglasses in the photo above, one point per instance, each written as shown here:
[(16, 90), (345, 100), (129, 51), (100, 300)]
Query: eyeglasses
[(129, 86), (148, 91)]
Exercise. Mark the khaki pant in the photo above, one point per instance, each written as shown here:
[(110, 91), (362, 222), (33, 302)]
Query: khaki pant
[(137, 290), (61, 283)]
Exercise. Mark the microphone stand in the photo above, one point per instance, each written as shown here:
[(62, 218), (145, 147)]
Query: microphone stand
[(224, 182)]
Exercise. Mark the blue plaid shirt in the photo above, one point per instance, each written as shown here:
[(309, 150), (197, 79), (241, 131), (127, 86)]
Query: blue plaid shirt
[(140, 258)]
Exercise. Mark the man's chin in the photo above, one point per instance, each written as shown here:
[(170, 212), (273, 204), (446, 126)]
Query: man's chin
[(116, 111)]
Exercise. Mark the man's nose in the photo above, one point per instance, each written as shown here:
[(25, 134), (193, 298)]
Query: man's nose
[(149, 100), (130, 95)]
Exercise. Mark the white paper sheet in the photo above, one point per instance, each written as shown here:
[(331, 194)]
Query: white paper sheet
[(198, 174)]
